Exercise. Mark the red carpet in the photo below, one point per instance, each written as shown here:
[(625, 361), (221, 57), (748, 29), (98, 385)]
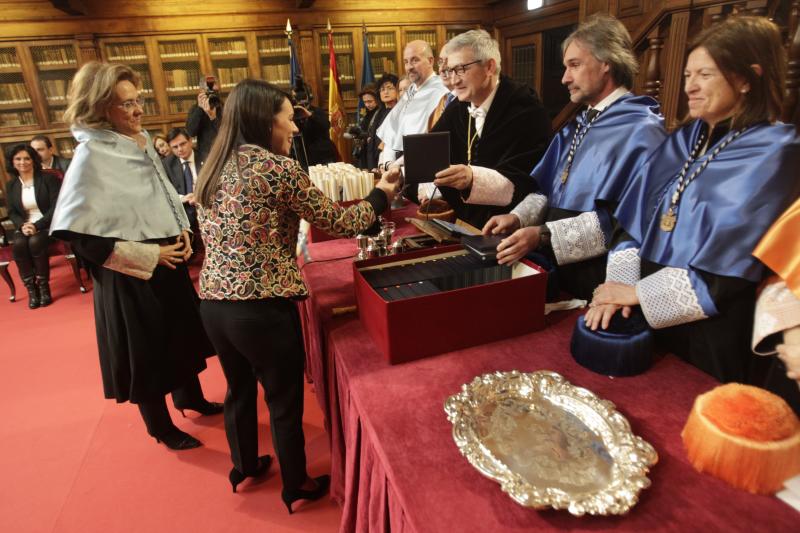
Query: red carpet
[(75, 462)]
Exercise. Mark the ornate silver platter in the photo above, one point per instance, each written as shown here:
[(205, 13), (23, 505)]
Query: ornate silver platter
[(549, 443)]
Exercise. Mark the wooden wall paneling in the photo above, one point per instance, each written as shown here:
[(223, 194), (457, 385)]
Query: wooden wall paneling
[(653, 74), (673, 69), (157, 71), (509, 66), (757, 8), (307, 50), (252, 55), (87, 48), (31, 81), (629, 8)]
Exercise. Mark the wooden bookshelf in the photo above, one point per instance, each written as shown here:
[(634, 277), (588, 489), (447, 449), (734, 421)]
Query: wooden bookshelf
[(385, 55), (35, 75), (16, 106), (274, 60), (345, 63), (136, 55), (55, 65), (229, 60), (182, 72), (429, 34)]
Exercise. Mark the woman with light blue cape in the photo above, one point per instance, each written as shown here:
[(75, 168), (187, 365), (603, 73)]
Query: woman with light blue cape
[(688, 224)]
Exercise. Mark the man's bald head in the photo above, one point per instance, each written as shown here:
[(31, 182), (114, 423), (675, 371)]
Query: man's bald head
[(418, 61)]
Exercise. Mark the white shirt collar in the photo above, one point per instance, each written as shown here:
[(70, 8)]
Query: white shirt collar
[(611, 98), (190, 160), (488, 102)]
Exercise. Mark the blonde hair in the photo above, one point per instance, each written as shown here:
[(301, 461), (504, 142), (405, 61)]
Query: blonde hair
[(92, 92)]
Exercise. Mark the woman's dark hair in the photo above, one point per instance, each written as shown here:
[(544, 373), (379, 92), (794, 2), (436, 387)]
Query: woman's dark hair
[(387, 78), (370, 90), (37, 160), (247, 119), (737, 44)]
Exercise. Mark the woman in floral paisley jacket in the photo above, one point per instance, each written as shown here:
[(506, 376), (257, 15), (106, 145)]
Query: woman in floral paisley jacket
[(252, 197)]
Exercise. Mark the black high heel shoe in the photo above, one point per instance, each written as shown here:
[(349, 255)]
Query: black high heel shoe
[(291, 496), (236, 477), (207, 409), (178, 440)]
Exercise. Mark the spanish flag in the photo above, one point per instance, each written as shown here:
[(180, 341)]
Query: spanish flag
[(336, 111)]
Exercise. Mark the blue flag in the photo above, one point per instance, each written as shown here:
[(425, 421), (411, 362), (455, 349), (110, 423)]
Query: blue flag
[(367, 76), (294, 66)]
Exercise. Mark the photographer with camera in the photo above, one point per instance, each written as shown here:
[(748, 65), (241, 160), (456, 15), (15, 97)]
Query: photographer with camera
[(360, 133), (316, 147), (204, 118)]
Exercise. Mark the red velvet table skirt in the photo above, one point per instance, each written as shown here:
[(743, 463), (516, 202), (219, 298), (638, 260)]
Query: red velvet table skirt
[(395, 465)]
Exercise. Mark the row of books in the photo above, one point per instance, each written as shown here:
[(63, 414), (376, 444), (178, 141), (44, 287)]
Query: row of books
[(379, 62), (227, 46), (345, 67), (181, 105), (8, 58), (182, 80), (55, 89), (126, 51), (178, 49), (340, 42), (14, 93), (279, 74), (271, 45), (381, 40), (65, 147), (17, 118), (56, 114), (63, 55), (228, 77)]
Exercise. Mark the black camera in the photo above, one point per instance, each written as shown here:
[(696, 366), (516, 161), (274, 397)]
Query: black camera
[(213, 95), (355, 133)]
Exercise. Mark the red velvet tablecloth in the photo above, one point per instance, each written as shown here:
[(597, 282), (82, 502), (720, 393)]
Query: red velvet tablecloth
[(395, 465)]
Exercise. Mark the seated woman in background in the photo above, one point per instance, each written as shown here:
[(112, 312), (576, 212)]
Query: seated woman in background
[(252, 197), (387, 89), (161, 145), (777, 322), (703, 201), (32, 195), (372, 106), (123, 217)]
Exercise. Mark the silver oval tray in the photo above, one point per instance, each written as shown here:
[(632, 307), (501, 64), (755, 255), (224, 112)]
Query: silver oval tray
[(549, 443)]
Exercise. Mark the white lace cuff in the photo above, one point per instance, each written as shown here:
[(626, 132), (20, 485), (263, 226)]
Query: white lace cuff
[(577, 238), (777, 309), (489, 187), (624, 266), (668, 298), (531, 210), (135, 259)]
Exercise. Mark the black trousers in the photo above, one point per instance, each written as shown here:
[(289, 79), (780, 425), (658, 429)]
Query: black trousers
[(261, 341), (30, 254), (155, 414)]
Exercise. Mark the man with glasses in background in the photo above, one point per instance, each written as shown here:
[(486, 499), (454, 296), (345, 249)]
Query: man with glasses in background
[(498, 131), (415, 107)]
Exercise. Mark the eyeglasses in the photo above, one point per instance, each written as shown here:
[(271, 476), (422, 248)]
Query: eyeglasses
[(458, 70), (129, 105), (386, 88)]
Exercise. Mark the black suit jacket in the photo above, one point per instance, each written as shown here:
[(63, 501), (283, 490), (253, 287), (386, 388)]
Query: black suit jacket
[(515, 136), (174, 168), (199, 125), (46, 187), (61, 163)]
